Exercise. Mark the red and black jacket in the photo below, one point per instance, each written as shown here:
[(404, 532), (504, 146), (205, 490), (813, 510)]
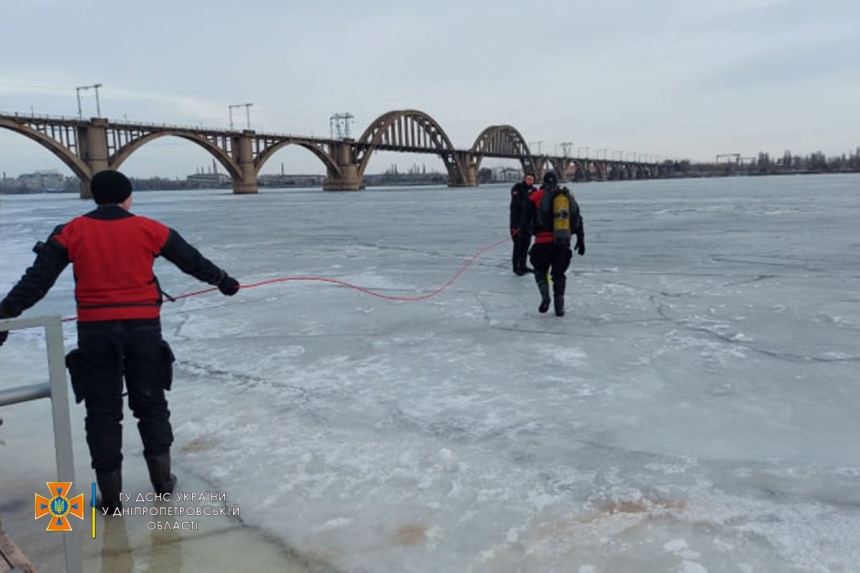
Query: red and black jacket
[(530, 222), (112, 253)]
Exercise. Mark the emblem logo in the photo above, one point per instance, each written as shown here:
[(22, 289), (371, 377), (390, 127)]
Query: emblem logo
[(59, 506)]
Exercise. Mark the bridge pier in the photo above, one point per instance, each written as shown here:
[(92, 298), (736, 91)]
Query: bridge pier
[(94, 150), (467, 179), (462, 170), (348, 179), (565, 168), (85, 192), (244, 157)]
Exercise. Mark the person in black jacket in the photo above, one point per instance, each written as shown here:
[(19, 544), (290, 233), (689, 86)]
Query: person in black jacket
[(119, 301), (519, 197)]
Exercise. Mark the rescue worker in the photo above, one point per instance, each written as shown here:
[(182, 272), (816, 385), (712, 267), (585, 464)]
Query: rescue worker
[(552, 215), (112, 252), (519, 197)]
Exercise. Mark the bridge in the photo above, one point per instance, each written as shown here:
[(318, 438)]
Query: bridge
[(90, 146)]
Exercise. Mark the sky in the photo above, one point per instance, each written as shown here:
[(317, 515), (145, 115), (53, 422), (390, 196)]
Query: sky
[(673, 78)]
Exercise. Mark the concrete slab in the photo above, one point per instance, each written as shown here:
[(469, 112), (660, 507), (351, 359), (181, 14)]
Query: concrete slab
[(125, 544)]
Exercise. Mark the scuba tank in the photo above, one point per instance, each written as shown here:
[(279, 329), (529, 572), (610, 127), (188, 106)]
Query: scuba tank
[(557, 210), (561, 206)]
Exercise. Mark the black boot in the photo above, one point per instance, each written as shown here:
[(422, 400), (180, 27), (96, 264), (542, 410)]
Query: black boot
[(519, 268), (544, 297), (525, 269), (110, 486), (159, 473), (558, 295)]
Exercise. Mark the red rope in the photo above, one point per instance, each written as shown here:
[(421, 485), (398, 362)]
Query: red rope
[(349, 285)]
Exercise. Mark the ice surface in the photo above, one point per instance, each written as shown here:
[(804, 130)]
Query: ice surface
[(695, 410)]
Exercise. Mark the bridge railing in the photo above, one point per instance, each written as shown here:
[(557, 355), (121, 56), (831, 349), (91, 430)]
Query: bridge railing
[(129, 123), (57, 390), (38, 116)]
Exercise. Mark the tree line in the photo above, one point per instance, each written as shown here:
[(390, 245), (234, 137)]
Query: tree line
[(765, 164)]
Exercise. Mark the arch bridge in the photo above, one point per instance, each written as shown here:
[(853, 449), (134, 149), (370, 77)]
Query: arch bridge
[(90, 146)]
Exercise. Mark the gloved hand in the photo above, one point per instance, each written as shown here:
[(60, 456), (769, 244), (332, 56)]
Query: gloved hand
[(580, 246), (515, 232), (228, 285)]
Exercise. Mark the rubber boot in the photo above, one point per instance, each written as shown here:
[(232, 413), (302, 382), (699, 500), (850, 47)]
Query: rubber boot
[(559, 305), (558, 295), (544, 297), (110, 486), (518, 267), (159, 473)]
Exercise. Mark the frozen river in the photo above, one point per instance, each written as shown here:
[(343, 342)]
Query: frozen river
[(695, 411)]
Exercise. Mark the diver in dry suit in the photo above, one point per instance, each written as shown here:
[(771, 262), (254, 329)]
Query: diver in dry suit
[(119, 301), (552, 216)]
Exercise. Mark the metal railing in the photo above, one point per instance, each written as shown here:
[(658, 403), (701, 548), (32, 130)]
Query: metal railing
[(57, 391)]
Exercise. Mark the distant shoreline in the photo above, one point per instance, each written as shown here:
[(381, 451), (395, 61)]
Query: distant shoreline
[(144, 185)]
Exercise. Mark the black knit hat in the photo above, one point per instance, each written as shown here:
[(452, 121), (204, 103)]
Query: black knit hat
[(550, 178), (110, 187)]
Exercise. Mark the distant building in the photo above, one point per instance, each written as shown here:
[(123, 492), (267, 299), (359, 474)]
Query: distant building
[(285, 180), (203, 179), (507, 174), (208, 180), (43, 181)]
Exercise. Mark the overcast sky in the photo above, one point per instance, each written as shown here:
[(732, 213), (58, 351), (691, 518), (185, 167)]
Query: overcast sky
[(678, 78)]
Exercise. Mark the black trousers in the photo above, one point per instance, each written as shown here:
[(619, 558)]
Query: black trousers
[(521, 249), (108, 352), (553, 259)]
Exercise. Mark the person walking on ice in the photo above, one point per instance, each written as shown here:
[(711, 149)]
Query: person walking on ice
[(552, 216)]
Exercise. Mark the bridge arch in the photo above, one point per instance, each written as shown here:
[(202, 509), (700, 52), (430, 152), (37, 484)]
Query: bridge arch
[(72, 161), (123, 153), (329, 163), (500, 140), (544, 164), (409, 130)]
